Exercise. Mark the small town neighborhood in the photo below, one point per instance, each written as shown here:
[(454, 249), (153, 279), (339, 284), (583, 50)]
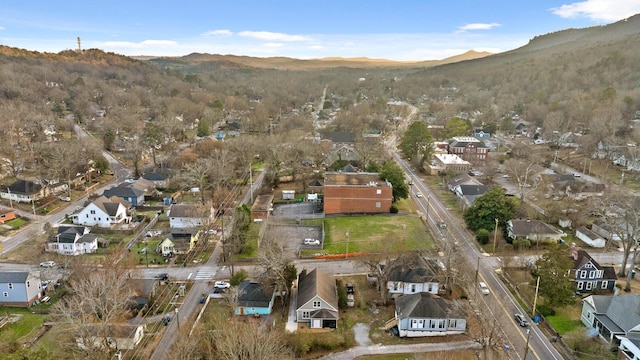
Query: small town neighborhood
[(221, 207)]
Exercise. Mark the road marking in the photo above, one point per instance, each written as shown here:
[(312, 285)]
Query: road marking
[(189, 277), (205, 274)]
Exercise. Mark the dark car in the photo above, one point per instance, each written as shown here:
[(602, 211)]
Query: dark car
[(520, 319), (162, 276)]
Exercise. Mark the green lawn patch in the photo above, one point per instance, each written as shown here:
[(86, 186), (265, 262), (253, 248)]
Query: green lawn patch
[(563, 324), (20, 328), (374, 233), (16, 223)]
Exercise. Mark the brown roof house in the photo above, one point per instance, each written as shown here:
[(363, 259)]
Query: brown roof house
[(6, 214), (356, 193), (317, 299)]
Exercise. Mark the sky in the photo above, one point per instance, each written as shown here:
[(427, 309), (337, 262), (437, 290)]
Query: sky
[(403, 30)]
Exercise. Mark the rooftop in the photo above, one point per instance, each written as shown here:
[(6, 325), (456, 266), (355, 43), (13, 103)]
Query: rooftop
[(354, 179), (451, 159)]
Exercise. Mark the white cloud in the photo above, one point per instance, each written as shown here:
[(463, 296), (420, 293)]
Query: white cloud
[(1, 28), (315, 47), (158, 42), (599, 10), (478, 26), (273, 45), (271, 36), (221, 32)]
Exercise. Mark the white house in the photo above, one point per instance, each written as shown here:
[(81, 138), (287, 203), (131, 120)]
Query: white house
[(103, 212), (590, 238), (412, 274), (629, 348), (426, 314), (73, 240), (185, 216)]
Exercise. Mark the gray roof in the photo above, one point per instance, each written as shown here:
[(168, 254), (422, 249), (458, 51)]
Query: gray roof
[(316, 282), (428, 306), (588, 233), (153, 176), (339, 136), (583, 258), (470, 190), (88, 238), (184, 211), (13, 277), (123, 191), (24, 187), (411, 268), (622, 310), (68, 234), (527, 227), (253, 294), (461, 179)]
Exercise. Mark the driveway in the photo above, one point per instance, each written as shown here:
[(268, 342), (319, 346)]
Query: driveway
[(401, 349), (361, 333)]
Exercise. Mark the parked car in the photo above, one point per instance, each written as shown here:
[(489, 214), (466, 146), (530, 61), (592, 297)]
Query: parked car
[(64, 198), (418, 194), (314, 242), (521, 320), (484, 289), (221, 285), (162, 276), (47, 264)]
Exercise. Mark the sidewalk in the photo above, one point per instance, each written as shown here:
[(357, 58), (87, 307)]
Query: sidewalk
[(292, 325), (401, 349)]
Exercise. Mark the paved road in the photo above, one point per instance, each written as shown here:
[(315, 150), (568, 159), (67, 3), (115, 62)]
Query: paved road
[(455, 234), (401, 349)]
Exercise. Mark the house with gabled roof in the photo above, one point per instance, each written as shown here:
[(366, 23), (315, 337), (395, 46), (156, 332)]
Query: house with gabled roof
[(254, 298), (19, 288), (426, 314), (73, 240), (7, 214), (186, 216), (410, 274), (468, 193), (590, 238), (589, 275), (103, 212), (317, 299), (157, 179), (23, 191), (612, 317), (461, 179), (126, 192), (533, 230)]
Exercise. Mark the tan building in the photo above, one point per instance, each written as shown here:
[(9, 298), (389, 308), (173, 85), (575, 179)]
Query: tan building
[(262, 208), (448, 163), (355, 193)]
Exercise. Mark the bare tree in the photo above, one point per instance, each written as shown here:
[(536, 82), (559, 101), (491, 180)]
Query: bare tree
[(521, 170), (277, 264), (621, 212), (98, 300), (250, 340)]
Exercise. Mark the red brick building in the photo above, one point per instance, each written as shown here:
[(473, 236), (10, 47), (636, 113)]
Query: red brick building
[(468, 148), (355, 193), (262, 207)]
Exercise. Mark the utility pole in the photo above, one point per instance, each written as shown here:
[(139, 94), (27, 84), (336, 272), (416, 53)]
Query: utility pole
[(495, 237), (177, 318), (251, 183), (526, 349), (477, 270), (535, 298)]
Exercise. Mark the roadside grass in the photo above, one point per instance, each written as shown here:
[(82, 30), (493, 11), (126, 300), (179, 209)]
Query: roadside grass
[(563, 324), (252, 242), (16, 223), (438, 355), (374, 233)]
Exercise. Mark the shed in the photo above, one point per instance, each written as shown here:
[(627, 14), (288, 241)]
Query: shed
[(288, 194)]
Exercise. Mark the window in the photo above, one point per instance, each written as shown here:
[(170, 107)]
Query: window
[(316, 304), (413, 287), (10, 286), (604, 284), (414, 324), (378, 204), (93, 212), (5, 294), (395, 286), (600, 273), (580, 285), (440, 324), (592, 274), (589, 284), (306, 314), (433, 323), (379, 191), (583, 274), (453, 323)]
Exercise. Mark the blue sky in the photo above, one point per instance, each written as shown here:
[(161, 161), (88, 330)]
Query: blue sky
[(407, 30)]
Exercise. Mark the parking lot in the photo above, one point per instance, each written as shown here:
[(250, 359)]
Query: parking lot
[(292, 237)]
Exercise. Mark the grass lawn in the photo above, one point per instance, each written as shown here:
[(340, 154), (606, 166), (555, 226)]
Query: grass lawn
[(375, 233), (252, 242), (563, 324), (16, 223), (27, 323)]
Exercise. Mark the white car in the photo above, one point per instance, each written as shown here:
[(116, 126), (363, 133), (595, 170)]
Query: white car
[(418, 194), (221, 284), (484, 289), (47, 264), (314, 242)]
